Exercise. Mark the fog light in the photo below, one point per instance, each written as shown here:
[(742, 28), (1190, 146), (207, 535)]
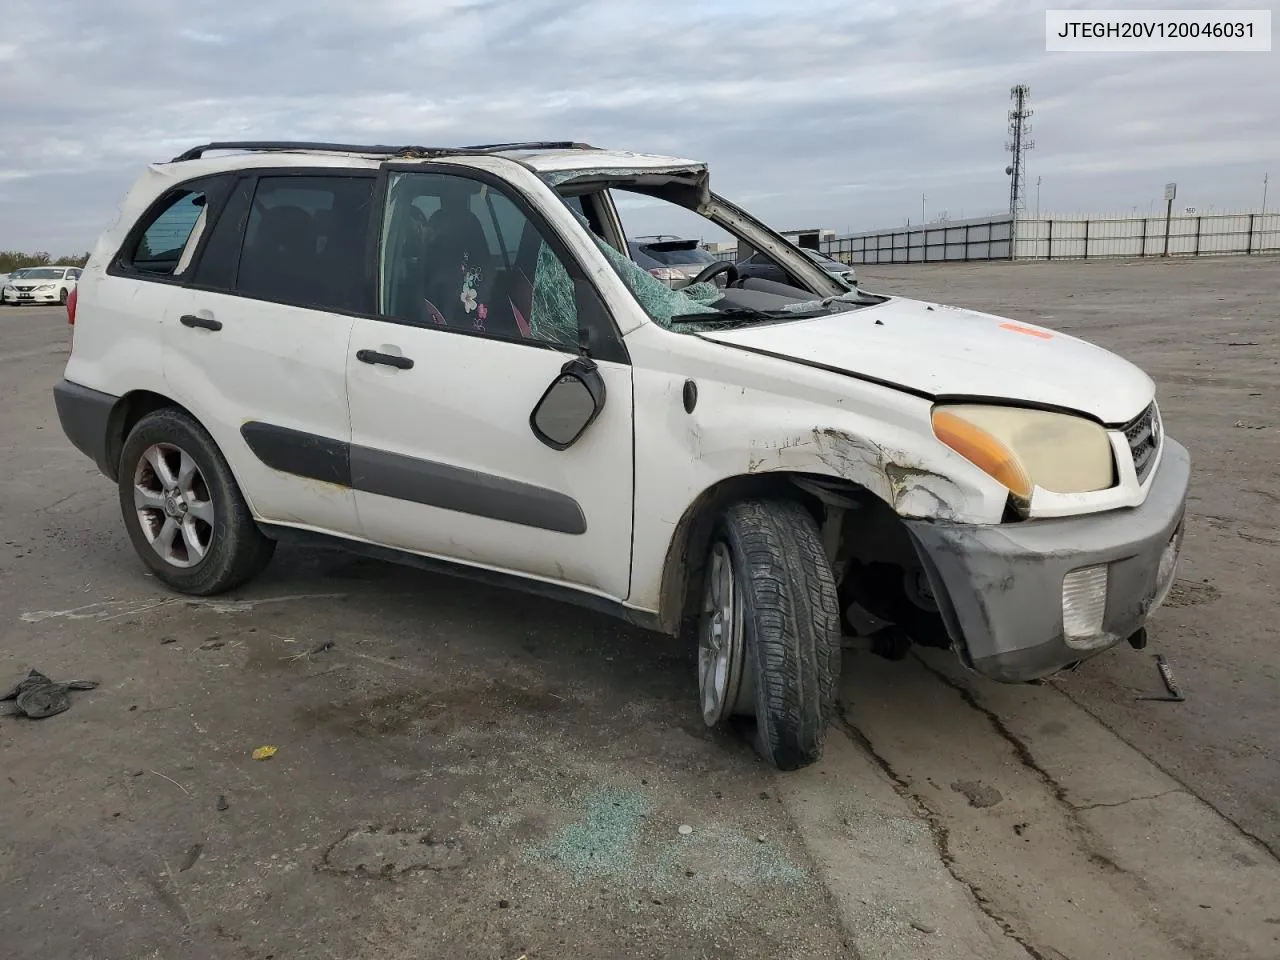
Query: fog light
[(1084, 603)]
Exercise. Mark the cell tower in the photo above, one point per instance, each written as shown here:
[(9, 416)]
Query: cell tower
[(1018, 145)]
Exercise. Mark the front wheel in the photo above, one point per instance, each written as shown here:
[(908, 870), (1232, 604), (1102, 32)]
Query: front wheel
[(769, 630), (183, 510), (62, 297)]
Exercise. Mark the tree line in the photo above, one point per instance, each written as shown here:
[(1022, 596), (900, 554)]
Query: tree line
[(11, 260)]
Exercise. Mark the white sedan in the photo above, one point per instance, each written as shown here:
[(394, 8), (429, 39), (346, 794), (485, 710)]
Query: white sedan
[(41, 285)]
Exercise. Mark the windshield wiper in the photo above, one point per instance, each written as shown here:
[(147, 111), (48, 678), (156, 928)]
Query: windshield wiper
[(746, 314)]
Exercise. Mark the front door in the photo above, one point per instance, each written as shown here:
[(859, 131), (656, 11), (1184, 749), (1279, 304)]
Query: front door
[(480, 307)]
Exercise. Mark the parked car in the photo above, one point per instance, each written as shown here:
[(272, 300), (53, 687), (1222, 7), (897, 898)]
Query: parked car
[(676, 261), (514, 400), (40, 285), (9, 277), (761, 267)]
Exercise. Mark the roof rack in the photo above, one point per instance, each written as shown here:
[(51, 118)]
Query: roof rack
[(407, 152)]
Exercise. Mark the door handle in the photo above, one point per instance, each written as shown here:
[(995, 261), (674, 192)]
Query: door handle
[(207, 323), (388, 359)]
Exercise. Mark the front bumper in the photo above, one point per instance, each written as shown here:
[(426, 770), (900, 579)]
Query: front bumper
[(10, 295), (1000, 588)]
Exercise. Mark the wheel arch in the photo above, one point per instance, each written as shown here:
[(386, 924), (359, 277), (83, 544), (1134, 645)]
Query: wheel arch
[(682, 566), (124, 416)]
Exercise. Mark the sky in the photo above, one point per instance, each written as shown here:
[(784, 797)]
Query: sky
[(850, 115)]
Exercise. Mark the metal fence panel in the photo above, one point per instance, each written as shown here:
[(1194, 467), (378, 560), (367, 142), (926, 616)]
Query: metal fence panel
[(1059, 238)]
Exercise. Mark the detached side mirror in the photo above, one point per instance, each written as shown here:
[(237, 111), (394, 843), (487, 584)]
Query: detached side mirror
[(570, 404)]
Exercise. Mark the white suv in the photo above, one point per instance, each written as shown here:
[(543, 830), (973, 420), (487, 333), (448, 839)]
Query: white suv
[(442, 356), (41, 285)]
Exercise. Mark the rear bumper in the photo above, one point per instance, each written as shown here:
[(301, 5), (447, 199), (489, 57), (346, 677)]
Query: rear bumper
[(85, 415), (1000, 587)]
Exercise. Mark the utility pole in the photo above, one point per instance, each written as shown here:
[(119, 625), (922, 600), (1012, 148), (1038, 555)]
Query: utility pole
[(1037, 198), (1264, 193), (1018, 145), (923, 219)]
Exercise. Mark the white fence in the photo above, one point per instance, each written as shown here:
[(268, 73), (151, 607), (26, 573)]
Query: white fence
[(984, 238), (1182, 235), (1080, 237)]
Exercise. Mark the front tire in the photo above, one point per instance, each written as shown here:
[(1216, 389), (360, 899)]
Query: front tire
[(769, 634), (183, 510), (62, 297)]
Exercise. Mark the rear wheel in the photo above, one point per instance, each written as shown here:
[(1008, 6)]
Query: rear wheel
[(769, 631), (183, 510)]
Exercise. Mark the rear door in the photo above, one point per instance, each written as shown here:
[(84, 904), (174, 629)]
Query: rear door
[(256, 346)]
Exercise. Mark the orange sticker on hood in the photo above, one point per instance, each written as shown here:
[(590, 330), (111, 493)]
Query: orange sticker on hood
[(1017, 328)]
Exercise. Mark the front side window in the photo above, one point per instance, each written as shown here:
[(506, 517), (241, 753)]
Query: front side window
[(460, 254), (305, 241)]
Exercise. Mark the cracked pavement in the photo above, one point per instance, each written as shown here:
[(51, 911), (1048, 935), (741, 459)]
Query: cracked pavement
[(467, 772)]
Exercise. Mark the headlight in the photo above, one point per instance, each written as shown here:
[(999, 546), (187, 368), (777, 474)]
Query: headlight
[(1024, 449), (44, 286)]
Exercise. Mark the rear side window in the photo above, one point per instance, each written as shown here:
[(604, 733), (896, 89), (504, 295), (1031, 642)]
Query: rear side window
[(305, 242)]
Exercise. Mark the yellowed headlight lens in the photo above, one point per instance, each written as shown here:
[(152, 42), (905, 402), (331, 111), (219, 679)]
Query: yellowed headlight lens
[(983, 450), (1024, 449)]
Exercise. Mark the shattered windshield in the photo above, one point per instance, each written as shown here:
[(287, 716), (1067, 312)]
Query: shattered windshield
[(700, 306)]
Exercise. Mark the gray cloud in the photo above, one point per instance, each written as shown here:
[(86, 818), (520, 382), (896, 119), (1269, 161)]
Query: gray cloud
[(811, 113)]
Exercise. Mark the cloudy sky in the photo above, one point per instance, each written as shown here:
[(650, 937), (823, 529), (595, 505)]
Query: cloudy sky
[(811, 113)]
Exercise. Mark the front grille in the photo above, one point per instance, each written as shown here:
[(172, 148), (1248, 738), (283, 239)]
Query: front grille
[(1143, 435)]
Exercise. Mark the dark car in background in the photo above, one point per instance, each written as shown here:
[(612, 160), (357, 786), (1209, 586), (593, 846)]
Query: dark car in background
[(759, 267), (673, 260)]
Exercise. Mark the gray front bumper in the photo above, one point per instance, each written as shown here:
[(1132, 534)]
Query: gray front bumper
[(999, 587)]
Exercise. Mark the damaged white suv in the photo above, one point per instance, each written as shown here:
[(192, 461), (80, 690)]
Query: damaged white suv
[(445, 357)]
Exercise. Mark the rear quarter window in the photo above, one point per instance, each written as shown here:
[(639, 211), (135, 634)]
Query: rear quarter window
[(159, 250)]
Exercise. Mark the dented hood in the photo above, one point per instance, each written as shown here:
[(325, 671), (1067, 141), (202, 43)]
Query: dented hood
[(948, 353)]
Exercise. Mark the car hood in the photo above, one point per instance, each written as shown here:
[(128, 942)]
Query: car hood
[(949, 353)]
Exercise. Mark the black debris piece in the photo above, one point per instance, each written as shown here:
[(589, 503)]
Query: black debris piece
[(37, 697), (222, 803), (192, 855)]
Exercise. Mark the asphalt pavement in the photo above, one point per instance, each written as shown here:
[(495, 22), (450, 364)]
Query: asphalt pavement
[(462, 771)]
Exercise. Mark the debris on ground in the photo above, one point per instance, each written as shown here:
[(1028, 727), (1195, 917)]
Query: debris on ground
[(38, 697), (222, 804), (1170, 684), (264, 753), (327, 645), (685, 829), (192, 855), (213, 643)]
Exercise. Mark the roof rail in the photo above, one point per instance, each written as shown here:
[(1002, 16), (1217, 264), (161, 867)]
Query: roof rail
[(532, 145), (196, 153)]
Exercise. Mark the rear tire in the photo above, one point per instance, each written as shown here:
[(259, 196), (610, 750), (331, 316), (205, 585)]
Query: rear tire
[(790, 628), (183, 510)]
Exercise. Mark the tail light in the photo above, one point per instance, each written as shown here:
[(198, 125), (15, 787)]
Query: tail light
[(665, 273), (71, 305)]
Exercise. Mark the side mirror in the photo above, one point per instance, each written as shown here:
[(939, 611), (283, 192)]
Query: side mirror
[(570, 404)]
